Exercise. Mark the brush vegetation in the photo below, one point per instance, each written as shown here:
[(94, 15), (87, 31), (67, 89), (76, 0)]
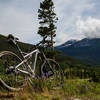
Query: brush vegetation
[(81, 80)]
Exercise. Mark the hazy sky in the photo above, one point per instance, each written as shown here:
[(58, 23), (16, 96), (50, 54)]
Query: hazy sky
[(77, 19)]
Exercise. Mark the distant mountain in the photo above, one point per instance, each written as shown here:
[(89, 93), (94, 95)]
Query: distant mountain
[(86, 49), (66, 44), (4, 45)]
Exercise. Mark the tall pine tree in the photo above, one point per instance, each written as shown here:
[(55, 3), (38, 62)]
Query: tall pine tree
[(47, 18)]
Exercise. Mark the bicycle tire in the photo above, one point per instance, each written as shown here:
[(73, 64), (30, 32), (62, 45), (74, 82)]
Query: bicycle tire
[(10, 78), (58, 80)]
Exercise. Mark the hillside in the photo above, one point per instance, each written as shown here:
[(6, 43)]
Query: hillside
[(76, 84), (86, 50), (4, 45), (63, 59)]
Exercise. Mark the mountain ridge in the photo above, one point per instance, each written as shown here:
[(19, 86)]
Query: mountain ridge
[(60, 57), (86, 49)]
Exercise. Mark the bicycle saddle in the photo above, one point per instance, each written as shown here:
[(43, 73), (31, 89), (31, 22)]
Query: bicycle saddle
[(11, 39), (10, 36)]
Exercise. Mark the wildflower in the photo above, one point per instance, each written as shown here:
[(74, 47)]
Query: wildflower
[(86, 86), (41, 76), (38, 77), (47, 75), (78, 85), (33, 77)]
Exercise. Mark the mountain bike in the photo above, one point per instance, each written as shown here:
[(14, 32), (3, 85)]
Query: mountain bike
[(15, 70)]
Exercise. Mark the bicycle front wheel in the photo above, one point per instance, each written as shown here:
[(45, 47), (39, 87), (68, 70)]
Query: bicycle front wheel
[(10, 77), (53, 72)]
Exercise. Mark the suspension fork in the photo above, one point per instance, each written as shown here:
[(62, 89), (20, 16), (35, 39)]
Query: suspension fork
[(44, 56), (45, 60)]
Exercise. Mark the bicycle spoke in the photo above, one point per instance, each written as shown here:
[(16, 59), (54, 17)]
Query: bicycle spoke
[(10, 76), (53, 72)]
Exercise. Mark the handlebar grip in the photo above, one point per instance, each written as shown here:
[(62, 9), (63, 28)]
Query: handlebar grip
[(41, 41), (11, 37)]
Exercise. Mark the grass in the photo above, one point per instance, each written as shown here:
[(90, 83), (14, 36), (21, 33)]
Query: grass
[(82, 89), (72, 88)]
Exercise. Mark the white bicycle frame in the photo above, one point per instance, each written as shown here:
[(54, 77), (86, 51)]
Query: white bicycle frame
[(26, 57)]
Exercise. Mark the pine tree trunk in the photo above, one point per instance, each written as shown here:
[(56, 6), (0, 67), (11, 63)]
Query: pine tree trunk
[(52, 43), (52, 47)]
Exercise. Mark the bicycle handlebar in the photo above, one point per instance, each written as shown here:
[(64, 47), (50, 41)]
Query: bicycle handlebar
[(11, 38), (41, 41)]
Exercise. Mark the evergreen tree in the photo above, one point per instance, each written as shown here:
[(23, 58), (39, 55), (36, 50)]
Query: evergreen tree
[(47, 18)]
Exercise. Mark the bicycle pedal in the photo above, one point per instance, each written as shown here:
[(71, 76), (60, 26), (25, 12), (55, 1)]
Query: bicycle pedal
[(50, 73), (10, 69)]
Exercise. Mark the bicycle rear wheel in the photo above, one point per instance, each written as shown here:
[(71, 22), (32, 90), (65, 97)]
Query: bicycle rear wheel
[(10, 77), (53, 73)]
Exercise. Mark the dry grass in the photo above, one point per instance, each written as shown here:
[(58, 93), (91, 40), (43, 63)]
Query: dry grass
[(31, 93)]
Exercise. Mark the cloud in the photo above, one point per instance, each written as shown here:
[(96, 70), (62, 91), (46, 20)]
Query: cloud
[(89, 27), (19, 22), (68, 11), (20, 17)]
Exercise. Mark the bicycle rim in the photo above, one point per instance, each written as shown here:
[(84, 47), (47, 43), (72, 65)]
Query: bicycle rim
[(10, 77), (53, 72)]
